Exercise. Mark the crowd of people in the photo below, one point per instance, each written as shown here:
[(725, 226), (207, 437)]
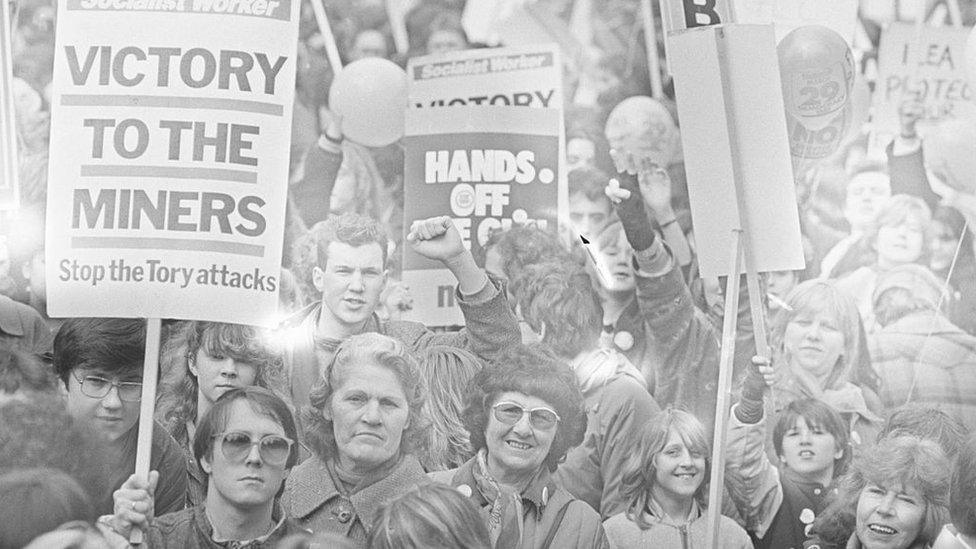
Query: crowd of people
[(576, 405)]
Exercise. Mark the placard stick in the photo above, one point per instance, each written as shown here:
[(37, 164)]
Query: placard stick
[(147, 407), (331, 49), (650, 46), (726, 360), (955, 15), (394, 13), (8, 129)]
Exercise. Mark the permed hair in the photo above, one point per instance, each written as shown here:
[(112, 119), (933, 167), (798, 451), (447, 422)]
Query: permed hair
[(816, 414), (262, 402), (901, 461), (177, 399), (536, 371), (432, 516), (639, 472), (521, 246), (354, 352), (116, 346), (962, 491), (560, 302), (447, 371), (809, 298)]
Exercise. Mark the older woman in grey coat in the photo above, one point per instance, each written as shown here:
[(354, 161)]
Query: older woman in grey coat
[(363, 419)]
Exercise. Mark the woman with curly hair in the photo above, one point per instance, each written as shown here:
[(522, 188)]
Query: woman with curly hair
[(364, 419), (666, 485), (201, 361), (895, 496), (524, 412)]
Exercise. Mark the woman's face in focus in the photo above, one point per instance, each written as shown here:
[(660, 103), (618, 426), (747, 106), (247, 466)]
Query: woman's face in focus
[(217, 374), (902, 243), (520, 448), (813, 341), (889, 517), (613, 255), (369, 412)]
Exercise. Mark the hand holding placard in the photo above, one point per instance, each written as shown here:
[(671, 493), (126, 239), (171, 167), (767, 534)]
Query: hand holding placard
[(134, 504)]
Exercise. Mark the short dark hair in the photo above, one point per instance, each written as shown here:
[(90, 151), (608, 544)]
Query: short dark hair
[(590, 182), (926, 422), (113, 345), (536, 371), (36, 501), (261, 401), (348, 228), (562, 300), (816, 414), (962, 490), (23, 372)]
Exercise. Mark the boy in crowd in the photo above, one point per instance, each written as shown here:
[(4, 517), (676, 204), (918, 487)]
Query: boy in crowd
[(351, 270), (100, 363), (246, 444)]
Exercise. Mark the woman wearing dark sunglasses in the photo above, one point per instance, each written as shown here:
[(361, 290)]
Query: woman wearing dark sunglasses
[(363, 422), (524, 412), (245, 444)]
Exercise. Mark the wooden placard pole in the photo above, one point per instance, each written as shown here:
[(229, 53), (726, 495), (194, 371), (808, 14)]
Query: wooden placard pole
[(650, 47), (8, 126), (398, 26), (726, 360), (147, 407), (331, 49)]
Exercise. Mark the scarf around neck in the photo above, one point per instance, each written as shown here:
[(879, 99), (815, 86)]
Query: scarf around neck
[(505, 509)]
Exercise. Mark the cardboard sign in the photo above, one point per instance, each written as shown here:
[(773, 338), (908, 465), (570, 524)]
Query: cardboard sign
[(167, 188), (932, 71), (528, 76), (735, 141), (690, 14), (8, 126), (786, 15), (488, 168)]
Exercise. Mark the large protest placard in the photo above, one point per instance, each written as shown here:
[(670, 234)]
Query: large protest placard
[(524, 76), (486, 167), (786, 15), (8, 131), (168, 177), (923, 63)]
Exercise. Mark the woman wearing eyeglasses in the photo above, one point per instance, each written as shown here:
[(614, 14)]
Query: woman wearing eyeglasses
[(524, 412), (363, 422), (245, 444), (200, 362)]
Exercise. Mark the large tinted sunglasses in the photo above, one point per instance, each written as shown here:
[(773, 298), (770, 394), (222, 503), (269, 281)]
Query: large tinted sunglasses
[(236, 446), (511, 413)]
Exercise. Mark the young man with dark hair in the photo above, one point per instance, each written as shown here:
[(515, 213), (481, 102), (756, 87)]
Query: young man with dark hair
[(561, 304), (589, 208), (246, 444), (100, 363), (350, 271)]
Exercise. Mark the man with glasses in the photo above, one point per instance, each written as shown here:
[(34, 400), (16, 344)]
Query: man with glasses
[(100, 363), (246, 445)]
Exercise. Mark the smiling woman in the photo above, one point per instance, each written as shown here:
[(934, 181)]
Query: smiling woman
[(894, 497), (364, 417), (524, 412)]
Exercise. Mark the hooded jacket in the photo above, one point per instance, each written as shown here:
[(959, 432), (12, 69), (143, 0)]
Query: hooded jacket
[(922, 357)]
